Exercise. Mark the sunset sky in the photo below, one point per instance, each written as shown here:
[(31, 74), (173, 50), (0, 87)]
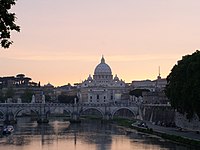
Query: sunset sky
[(62, 41)]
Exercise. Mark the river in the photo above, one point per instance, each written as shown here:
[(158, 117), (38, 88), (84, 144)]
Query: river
[(89, 135)]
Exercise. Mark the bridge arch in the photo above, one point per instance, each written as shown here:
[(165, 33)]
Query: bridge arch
[(92, 108), (68, 111), (21, 109), (123, 108), (2, 112), (2, 115)]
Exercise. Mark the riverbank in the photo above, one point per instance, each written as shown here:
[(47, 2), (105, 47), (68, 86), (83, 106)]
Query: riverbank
[(172, 137), (172, 134)]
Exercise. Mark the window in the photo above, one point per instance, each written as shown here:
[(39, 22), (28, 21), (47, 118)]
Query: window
[(97, 96), (90, 97), (104, 97)]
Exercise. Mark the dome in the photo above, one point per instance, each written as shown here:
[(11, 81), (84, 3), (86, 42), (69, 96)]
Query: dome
[(102, 68), (49, 85)]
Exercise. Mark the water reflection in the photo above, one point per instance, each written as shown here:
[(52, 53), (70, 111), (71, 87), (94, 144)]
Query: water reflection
[(93, 133), (60, 135)]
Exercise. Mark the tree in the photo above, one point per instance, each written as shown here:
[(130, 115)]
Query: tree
[(9, 93), (47, 98), (27, 96), (183, 85), (7, 22), (2, 98), (67, 99)]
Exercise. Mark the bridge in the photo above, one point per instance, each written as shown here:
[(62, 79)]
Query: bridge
[(9, 111)]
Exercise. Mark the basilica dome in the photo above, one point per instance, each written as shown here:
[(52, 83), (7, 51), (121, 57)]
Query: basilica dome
[(102, 68)]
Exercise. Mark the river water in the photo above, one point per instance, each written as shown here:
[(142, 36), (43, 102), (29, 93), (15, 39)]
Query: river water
[(89, 135)]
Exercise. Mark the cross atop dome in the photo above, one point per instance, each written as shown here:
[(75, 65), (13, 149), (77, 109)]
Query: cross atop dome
[(102, 60)]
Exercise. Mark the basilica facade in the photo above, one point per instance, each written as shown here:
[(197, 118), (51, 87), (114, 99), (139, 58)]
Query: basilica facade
[(102, 87)]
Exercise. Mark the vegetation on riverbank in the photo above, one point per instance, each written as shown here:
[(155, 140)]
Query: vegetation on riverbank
[(91, 117), (179, 139), (174, 138), (123, 122)]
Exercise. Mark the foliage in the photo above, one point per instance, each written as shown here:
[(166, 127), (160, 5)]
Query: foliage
[(9, 93), (138, 92), (123, 121), (47, 98), (183, 85), (2, 98), (175, 138), (186, 141), (7, 22), (27, 96), (67, 99)]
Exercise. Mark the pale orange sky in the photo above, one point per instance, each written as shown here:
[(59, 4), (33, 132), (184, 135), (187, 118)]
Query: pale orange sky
[(62, 41)]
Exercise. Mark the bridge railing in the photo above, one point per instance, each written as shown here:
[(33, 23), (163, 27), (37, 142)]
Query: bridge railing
[(158, 105), (67, 105)]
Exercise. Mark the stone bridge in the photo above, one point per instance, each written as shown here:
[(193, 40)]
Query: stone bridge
[(9, 111)]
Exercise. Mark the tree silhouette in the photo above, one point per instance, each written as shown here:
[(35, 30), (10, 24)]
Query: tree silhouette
[(9, 93), (2, 98), (7, 22), (67, 99), (27, 96), (183, 85)]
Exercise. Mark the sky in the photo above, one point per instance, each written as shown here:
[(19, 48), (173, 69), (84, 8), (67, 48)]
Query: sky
[(63, 41)]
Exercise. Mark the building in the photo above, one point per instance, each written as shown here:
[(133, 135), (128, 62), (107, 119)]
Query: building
[(13, 88), (102, 87), (156, 93), (14, 82), (152, 85), (67, 90), (143, 84), (157, 97)]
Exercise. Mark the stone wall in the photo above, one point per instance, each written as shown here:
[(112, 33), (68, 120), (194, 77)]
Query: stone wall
[(157, 97), (182, 122), (159, 115)]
